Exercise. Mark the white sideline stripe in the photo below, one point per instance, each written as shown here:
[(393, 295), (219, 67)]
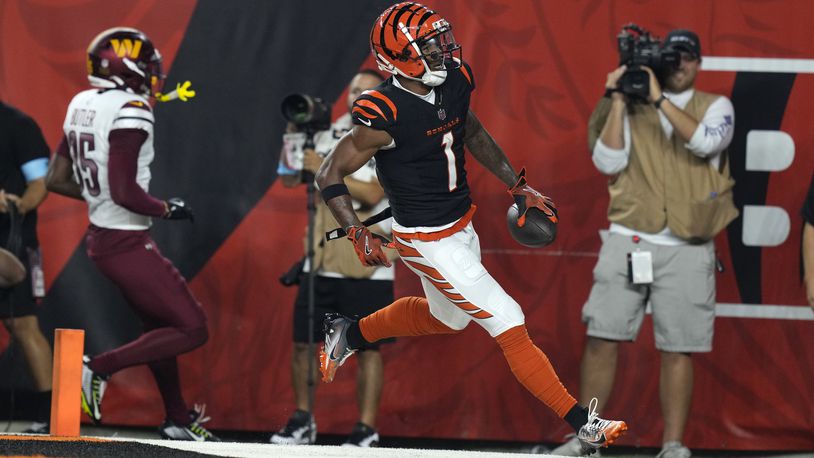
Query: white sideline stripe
[(757, 64), (776, 312), (255, 450), (764, 311)]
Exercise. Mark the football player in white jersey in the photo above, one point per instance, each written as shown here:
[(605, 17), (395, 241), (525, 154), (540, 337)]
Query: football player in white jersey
[(104, 158)]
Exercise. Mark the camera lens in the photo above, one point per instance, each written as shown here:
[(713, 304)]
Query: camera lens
[(297, 108)]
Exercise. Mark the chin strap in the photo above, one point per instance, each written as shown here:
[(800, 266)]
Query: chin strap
[(433, 78), (182, 92)]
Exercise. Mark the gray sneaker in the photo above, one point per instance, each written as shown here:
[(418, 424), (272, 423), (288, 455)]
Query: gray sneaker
[(571, 447), (301, 429), (598, 432), (194, 431), (335, 350), (674, 449), (362, 436), (191, 432)]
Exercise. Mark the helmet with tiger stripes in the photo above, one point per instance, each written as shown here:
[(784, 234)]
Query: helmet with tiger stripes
[(413, 41)]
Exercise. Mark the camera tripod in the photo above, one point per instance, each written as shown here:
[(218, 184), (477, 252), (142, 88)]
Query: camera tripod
[(311, 206)]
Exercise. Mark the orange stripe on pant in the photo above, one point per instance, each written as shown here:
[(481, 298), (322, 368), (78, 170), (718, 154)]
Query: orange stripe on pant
[(407, 316), (533, 370), (442, 285)]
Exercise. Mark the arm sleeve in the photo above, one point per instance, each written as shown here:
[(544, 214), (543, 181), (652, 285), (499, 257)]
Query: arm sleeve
[(715, 131), (609, 161), (125, 145)]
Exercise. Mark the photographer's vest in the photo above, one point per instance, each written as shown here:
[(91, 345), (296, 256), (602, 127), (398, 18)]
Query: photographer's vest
[(338, 255), (664, 183)]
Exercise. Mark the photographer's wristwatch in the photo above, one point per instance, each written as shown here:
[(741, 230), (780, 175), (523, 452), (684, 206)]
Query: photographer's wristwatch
[(657, 103)]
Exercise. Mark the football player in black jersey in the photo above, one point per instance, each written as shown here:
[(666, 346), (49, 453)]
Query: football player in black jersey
[(416, 124)]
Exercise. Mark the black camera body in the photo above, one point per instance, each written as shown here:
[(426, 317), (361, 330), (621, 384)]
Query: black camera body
[(309, 114), (637, 48)]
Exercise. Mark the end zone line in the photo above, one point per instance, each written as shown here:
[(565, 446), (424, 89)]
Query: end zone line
[(756, 64)]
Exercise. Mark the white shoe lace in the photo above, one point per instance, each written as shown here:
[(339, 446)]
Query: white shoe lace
[(200, 414), (596, 426)]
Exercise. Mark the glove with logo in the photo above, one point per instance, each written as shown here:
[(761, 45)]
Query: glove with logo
[(178, 209), (527, 197), (369, 246)]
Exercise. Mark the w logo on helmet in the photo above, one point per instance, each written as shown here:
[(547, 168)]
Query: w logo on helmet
[(126, 47)]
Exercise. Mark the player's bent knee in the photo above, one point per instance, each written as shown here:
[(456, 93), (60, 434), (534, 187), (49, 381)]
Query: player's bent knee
[(506, 308)]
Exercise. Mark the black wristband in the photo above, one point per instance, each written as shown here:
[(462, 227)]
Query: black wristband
[(658, 102), (334, 190)]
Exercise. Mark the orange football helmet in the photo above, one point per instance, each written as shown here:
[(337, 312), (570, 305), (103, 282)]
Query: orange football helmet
[(413, 41)]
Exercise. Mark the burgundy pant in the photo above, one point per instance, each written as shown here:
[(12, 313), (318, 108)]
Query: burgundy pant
[(174, 322)]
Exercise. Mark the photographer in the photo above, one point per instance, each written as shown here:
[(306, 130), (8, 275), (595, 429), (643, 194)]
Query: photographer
[(341, 284), (670, 194)]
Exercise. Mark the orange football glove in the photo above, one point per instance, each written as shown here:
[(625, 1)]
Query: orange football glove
[(369, 246), (527, 197)]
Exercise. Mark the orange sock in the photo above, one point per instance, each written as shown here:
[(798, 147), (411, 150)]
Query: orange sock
[(407, 316), (533, 370)]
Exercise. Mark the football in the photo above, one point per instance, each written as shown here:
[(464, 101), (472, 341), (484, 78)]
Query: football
[(538, 231)]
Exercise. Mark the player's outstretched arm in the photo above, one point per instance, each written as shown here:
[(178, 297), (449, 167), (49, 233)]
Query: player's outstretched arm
[(59, 178), (352, 152), (484, 148)]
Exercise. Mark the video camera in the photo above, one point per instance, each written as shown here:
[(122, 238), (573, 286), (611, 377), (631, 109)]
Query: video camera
[(309, 114), (637, 48)]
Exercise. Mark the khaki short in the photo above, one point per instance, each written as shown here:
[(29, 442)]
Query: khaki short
[(682, 295)]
